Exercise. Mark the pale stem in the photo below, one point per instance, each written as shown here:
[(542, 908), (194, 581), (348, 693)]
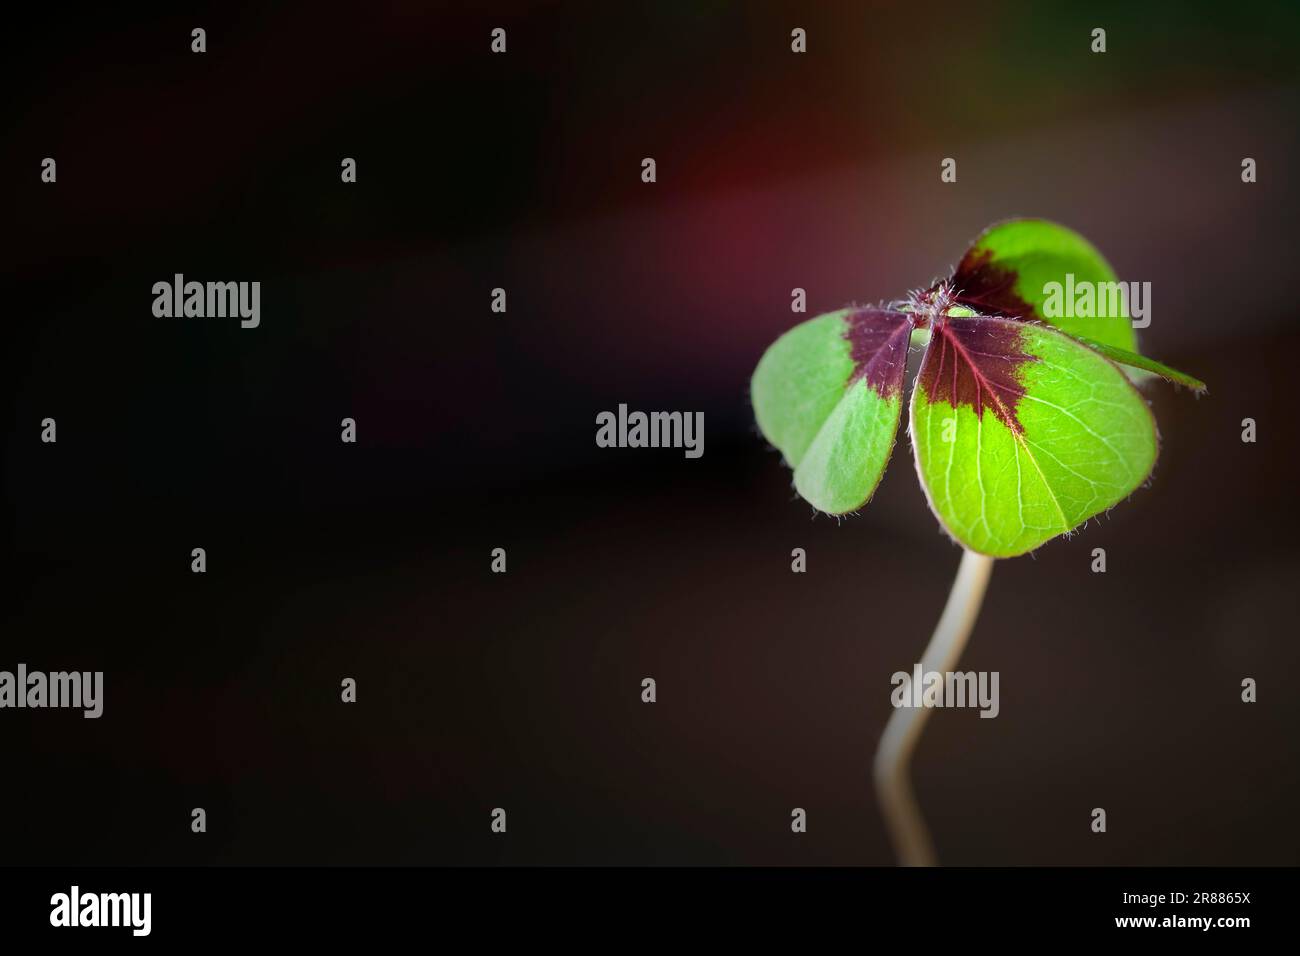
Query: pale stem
[(894, 755)]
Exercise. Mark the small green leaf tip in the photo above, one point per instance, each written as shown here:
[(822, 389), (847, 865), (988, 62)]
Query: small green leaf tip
[(1023, 425), (1133, 360)]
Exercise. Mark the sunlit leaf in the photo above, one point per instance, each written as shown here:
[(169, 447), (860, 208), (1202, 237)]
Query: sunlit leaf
[(1022, 434)]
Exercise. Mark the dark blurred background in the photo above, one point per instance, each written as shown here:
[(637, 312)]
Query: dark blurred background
[(476, 431)]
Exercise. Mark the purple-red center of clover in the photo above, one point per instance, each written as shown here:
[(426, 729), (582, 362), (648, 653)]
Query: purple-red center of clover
[(878, 342), (987, 288), (970, 361)]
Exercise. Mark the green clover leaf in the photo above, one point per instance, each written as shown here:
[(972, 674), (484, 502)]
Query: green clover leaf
[(1022, 424), (828, 394), (1010, 265)]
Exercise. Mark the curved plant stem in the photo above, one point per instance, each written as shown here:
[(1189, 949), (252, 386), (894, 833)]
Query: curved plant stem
[(894, 755)]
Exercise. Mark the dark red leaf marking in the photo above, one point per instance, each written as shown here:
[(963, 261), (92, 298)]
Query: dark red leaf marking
[(878, 341), (989, 288), (976, 362)]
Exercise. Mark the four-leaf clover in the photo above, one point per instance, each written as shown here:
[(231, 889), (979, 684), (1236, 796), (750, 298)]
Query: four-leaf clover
[(1023, 425)]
